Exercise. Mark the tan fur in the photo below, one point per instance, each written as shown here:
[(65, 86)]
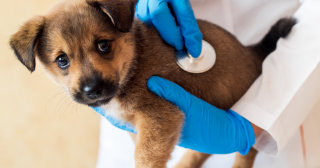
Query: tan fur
[(192, 159), (24, 47), (137, 55), (245, 161)]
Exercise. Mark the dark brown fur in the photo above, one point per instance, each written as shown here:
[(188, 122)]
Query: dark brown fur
[(137, 53)]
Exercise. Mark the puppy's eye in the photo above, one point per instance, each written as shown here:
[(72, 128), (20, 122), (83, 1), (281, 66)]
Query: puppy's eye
[(104, 46), (63, 61)]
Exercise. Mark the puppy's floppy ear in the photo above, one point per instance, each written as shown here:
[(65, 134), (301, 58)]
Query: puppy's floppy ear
[(120, 12), (23, 42)]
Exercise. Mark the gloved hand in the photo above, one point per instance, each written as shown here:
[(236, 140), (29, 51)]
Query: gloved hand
[(179, 30), (207, 129)]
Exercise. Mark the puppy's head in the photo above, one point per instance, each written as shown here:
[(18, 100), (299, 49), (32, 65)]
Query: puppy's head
[(86, 46)]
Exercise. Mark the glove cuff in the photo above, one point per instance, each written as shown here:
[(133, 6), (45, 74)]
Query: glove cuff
[(247, 131)]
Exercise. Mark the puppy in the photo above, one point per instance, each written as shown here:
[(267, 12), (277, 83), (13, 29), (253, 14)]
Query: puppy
[(103, 57)]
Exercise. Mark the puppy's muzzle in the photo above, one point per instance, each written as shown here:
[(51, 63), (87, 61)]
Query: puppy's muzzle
[(95, 91)]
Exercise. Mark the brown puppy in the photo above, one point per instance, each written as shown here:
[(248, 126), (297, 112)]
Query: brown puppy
[(102, 57)]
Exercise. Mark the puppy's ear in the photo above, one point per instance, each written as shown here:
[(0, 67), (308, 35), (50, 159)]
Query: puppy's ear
[(120, 12), (23, 42)]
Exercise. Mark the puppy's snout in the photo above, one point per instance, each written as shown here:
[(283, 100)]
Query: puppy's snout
[(93, 90)]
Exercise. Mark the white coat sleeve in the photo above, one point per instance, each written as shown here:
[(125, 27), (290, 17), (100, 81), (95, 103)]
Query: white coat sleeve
[(281, 98)]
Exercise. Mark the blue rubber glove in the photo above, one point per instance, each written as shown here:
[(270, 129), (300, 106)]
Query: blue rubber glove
[(207, 129), (179, 30)]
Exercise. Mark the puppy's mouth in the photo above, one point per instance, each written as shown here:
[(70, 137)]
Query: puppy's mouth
[(100, 102), (93, 103)]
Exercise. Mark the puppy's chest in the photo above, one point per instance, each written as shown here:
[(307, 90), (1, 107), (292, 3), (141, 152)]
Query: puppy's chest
[(116, 110)]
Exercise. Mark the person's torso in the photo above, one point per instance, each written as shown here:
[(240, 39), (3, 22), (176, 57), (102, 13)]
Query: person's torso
[(248, 20)]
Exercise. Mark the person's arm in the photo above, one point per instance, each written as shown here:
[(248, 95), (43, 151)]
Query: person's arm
[(257, 130), (282, 97)]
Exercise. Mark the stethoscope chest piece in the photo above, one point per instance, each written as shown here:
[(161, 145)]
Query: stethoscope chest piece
[(203, 63)]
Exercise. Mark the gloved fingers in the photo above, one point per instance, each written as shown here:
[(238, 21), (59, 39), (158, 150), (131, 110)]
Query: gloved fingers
[(142, 11), (187, 102), (165, 23), (189, 26), (170, 91)]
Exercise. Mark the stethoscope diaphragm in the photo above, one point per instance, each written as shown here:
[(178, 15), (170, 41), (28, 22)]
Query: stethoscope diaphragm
[(203, 63)]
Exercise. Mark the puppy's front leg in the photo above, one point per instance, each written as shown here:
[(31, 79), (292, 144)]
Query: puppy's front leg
[(192, 159), (158, 132), (245, 161)]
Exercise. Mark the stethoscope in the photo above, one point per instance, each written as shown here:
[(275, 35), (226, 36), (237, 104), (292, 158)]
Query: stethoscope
[(203, 63)]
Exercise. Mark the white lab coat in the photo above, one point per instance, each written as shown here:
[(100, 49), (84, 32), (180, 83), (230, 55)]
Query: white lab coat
[(283, 100)]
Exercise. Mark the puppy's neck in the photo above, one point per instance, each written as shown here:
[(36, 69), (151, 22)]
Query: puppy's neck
[(152, 57)]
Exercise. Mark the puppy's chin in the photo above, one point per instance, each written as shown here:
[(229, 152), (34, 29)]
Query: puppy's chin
[(92, 103)]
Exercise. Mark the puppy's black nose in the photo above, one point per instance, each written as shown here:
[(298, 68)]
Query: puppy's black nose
[(93, 90)]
